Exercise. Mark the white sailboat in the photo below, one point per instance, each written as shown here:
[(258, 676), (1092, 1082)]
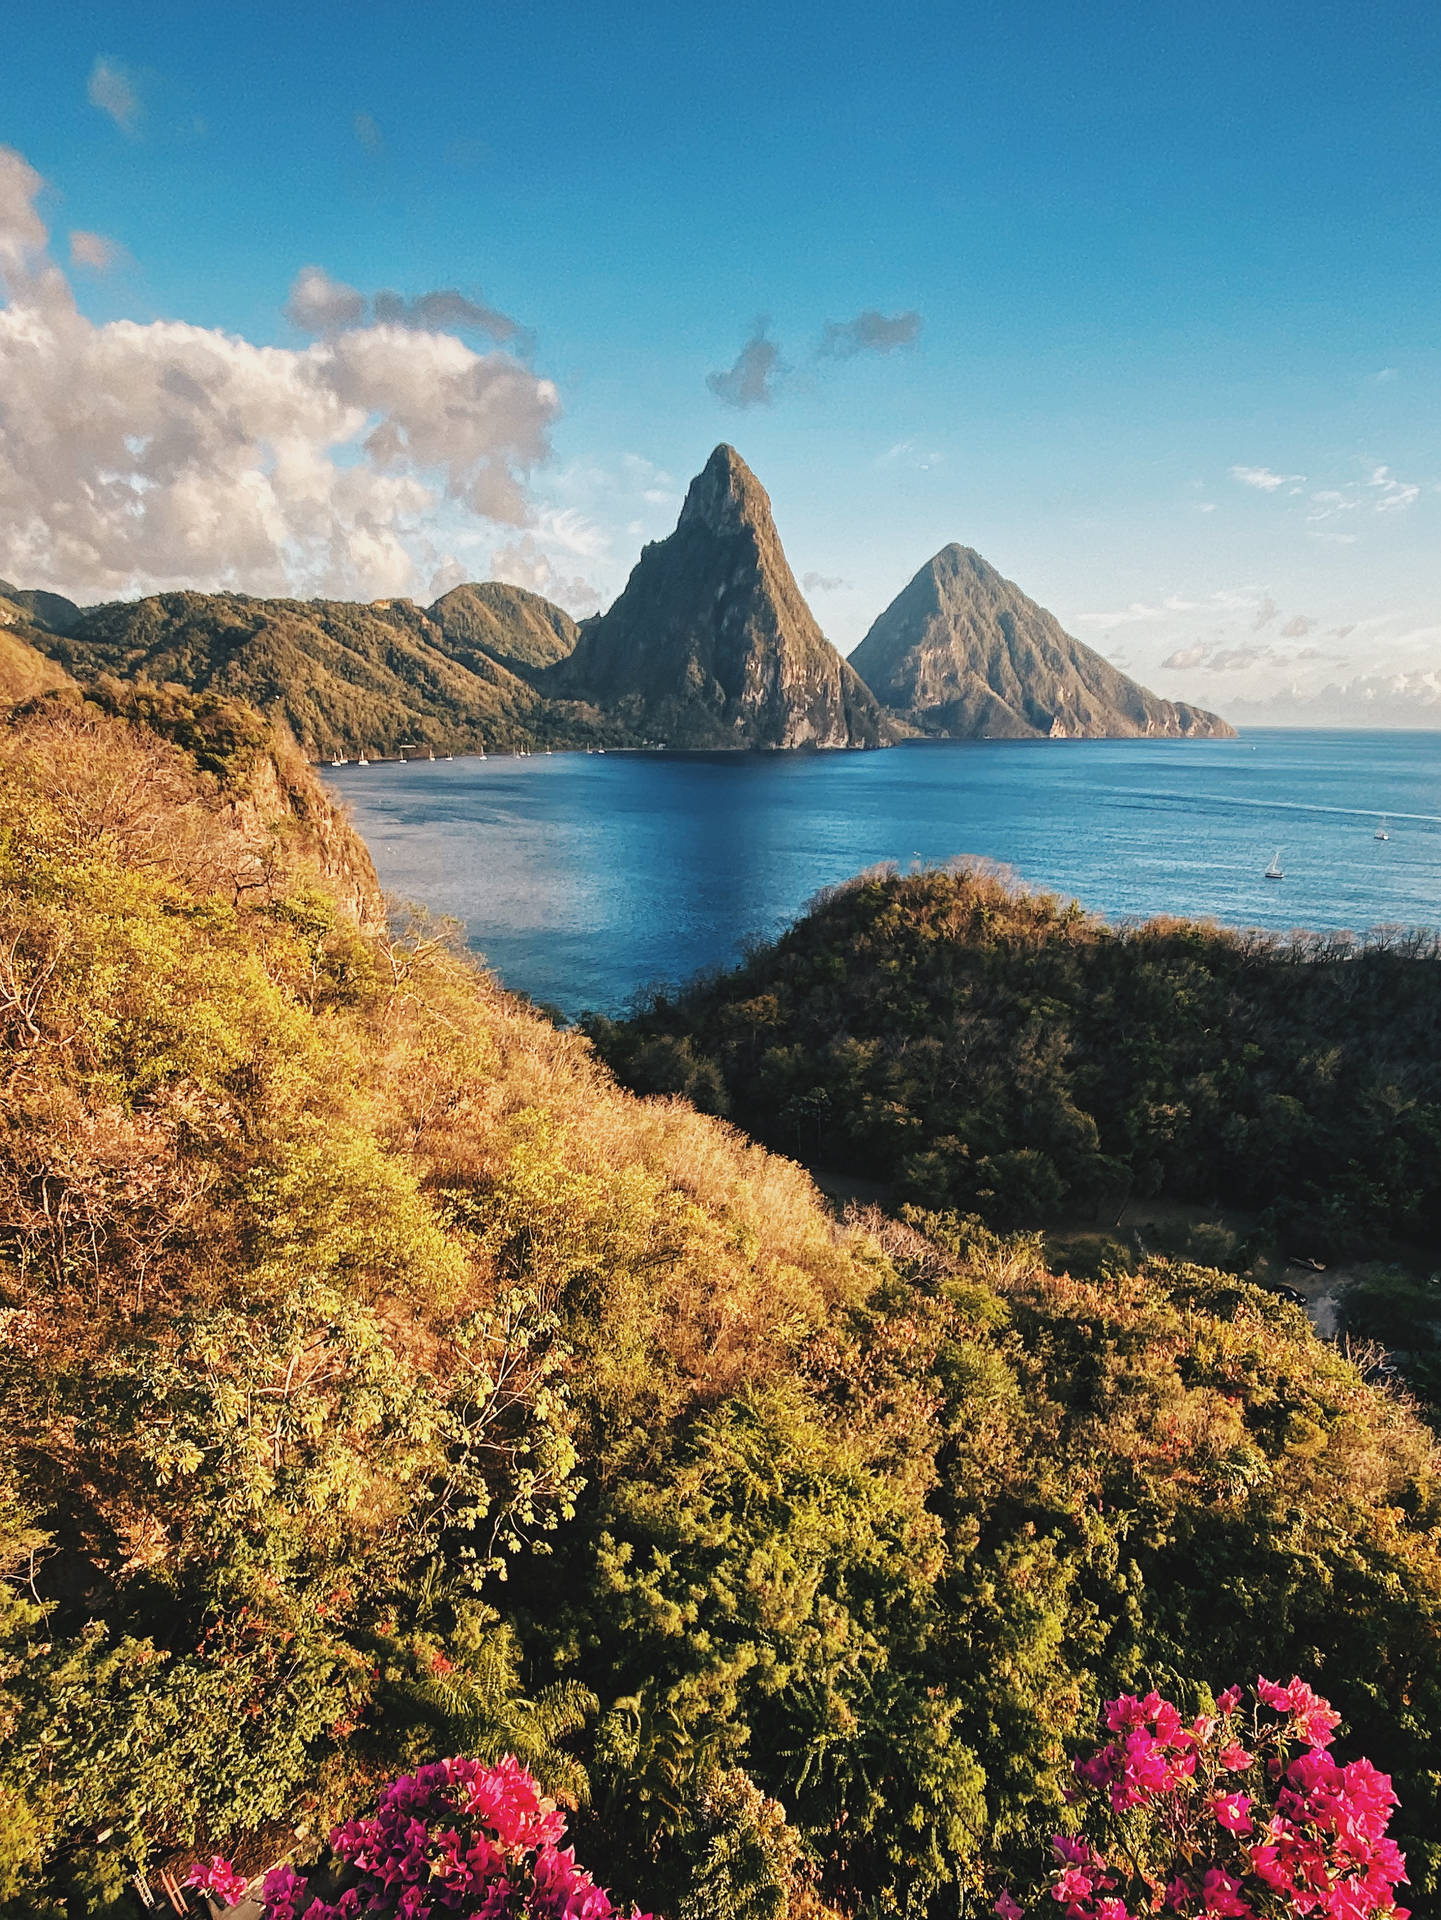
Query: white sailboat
[(360, 759), (1383, 832), (1275, 870), (338, 760)]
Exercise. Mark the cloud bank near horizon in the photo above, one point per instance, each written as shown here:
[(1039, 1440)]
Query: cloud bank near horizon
[(138, 456)]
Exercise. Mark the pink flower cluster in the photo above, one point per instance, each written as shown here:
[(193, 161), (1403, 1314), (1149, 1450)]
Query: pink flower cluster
[(456, 1838), (1216, 1817), (220, 1879)]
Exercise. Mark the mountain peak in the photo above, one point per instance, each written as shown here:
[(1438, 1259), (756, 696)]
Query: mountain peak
[(711, 644), (961, 651), (725, 495)]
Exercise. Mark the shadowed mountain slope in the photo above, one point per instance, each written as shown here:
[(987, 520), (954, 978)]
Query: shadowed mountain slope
[(711, 643), (962, 652)]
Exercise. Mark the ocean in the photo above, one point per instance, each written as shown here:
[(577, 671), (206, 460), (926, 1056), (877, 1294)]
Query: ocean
[(585, 879)]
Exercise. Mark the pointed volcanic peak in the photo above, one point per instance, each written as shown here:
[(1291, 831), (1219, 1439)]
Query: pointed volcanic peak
[(961, 652), (711, 643)]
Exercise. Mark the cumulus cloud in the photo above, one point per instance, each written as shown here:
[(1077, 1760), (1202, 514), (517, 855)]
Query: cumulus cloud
[(750, 381), (1297, 626), (94, 251), (869, 332), (1265, 614), (113, 91), (1185, 657), (318, 304), (824, 583), (1263, 479), (138, 456)]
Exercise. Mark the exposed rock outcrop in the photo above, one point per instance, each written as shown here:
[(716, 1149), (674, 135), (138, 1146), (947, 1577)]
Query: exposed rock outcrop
[(711, 643), (961, 652)]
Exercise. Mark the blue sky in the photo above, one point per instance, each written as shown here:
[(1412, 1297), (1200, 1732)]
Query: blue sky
[(1154, 296)]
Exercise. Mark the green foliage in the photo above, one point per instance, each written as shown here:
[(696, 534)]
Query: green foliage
[(378, 1380), (342, 677), (1003, 1053)]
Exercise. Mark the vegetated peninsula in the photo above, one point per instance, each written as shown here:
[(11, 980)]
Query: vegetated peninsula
[(711, 643), (962, 653), (984, 1047), (335, 1283)]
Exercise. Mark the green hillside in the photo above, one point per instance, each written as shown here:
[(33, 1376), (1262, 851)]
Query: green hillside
[(988, 1048), (506, 624), (335, 1283)]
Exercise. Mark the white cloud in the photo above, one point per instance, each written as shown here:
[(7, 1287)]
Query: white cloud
[(524, 563), (1263, 479), (318, 304), (113, 91), (825, 583), (94, 251), (1185, 657), (140, 456), (1393, 495)]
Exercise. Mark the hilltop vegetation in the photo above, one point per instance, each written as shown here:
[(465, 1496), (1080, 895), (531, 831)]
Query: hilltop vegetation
[(336, 1283), (341, 676), (1000, 1051)]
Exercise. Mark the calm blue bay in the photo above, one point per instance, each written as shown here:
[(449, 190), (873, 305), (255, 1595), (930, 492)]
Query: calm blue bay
[(583, 878)]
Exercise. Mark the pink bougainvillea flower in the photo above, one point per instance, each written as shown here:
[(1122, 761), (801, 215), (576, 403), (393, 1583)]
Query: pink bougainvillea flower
[(1008, 1908), (1228, 1701), (1234, 1758), (1233, 1812), (1221, 1894), (219, 1878)]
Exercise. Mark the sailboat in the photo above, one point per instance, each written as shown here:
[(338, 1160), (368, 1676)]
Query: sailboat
[(1275, 871), (1383, 832), (360, 759), (339, 760), (431, 754)]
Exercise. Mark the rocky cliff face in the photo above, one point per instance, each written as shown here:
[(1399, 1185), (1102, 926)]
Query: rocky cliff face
[(711, 644), (962, 652)]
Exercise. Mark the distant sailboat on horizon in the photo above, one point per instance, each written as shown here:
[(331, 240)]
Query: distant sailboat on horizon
[(1383, 832), (1275, 871)]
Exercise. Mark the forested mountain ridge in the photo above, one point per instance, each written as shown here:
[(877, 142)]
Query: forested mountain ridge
[(331, 1277), (343, 676), (711, 643), (962, 652)]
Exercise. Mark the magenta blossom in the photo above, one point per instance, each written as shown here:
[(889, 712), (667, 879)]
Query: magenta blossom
[(454, 1839)]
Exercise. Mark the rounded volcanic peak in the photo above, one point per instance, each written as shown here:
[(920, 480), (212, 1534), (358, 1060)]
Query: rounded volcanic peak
[(725, 497), (521, 629)]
